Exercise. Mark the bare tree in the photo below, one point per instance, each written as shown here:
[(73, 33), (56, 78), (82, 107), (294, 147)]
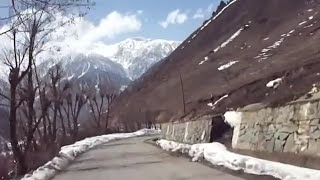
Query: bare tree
[(17, 74), (96, 104), (75, 103), (66, 109), (110, 98), (28, 31), (55, 92)]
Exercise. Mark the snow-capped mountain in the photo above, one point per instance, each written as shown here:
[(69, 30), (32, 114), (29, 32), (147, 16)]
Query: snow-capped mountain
[(136, 55), (92, 69), (120, 62)]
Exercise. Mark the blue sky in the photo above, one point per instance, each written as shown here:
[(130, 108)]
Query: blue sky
[(164, 19), (154, 12)]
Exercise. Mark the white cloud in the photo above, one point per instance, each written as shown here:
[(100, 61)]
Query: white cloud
[(112, 25), (203, 13), (174, 17), (79, 36), (140, 12), (82, 34), (200, 14)]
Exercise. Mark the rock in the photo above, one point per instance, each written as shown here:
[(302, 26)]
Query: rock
[(261, 146), (303, 127), (315, 135), (307, 111), (255, 139), (313, 111), (266, 115), (312, 129), (284, 114), (282, 135), (243, 126), (248, 135), (269, 119), (313, 148), (314, 122), (268, 135), (270, 145), (290, 128), (289, 144), (242, 132), (302, 112), (191, 132), (278, 145), (272, 128), (270, 132)]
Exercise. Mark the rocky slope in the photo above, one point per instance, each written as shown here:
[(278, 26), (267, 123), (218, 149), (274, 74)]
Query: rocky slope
[(231, 61)]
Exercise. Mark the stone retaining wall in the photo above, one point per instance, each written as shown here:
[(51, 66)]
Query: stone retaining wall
[(291, 128), (189, 132)]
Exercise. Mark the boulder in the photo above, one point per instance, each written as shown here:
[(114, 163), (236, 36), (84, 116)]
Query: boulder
[(290, 144)]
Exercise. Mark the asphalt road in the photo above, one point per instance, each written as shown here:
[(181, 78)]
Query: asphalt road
[(133, 159)]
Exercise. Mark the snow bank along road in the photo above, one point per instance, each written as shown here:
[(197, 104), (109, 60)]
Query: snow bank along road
[(136, 160)]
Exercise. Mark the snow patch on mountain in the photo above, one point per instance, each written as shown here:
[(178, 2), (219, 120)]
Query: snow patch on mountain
[(136, 55), (92, 69)]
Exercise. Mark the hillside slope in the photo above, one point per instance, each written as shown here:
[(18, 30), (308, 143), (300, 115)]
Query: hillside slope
[(228, 62)]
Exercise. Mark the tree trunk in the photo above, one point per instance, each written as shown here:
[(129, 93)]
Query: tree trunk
[(64, 133), (75, 129), (19, 157), (107, 118)]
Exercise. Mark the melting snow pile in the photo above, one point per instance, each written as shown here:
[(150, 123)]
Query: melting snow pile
[(302, 23), (275, 83), (205, 60), (226, 66), (233, 118), (69, 153), (217, 154), (213, 105), (236, 34), (266, 52)]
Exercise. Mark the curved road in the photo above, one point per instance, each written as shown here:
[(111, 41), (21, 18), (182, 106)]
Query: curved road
[(133, 159)]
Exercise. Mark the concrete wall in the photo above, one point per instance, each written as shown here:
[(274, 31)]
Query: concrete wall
[(292, 128), (192, 132)]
